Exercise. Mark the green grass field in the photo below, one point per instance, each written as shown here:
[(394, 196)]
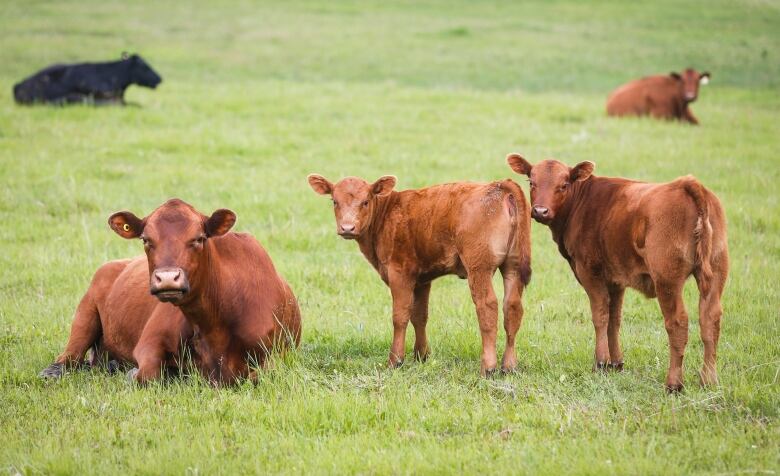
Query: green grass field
[(255, 97)]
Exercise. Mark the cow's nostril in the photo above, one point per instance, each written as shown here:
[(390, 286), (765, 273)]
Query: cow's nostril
[(541, 211), (347, 228), (157, 278)]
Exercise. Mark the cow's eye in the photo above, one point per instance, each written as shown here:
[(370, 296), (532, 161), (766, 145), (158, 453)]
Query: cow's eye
[(533, 185), (563, 187), (146, 242), (199, 241), (335, 204), (365, 203)]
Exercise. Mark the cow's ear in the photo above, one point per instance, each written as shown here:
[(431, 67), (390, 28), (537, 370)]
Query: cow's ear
[(126, 225), (519, 164), (675, 75), (320, 184), (383, 186), (125, 55), (220, 222), (704, 78), (581, 171)]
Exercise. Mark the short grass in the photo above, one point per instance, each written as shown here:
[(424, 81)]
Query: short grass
[(255, 97)]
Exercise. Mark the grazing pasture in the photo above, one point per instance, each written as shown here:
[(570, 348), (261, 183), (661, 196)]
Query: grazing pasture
[(257, 96)]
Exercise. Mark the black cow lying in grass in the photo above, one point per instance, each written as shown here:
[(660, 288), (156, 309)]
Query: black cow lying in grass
[(94, 83)]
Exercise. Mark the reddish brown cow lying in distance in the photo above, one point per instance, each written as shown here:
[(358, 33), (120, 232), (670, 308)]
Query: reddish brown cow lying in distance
[(662, 96), (414, 236), (617, 233), (215, 290)]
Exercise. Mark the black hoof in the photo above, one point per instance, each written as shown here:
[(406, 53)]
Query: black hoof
[(55, 370), (131, 375), (616, 366), (674, 389), (112, 367), (489, 373), (600, 367)]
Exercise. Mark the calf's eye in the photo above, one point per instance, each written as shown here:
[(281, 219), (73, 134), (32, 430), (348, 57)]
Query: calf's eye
[(365, 203)]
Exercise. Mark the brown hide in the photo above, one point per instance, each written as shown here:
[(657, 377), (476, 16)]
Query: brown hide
[(216, 292), (617, 233), (662, 96), (415, 236)]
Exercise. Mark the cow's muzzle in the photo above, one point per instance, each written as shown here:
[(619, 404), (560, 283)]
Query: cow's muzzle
[(348, 231), (169, 284), (541, 214)]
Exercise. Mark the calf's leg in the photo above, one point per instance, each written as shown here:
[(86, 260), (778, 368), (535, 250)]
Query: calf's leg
[(484, 298), (402, 291), (599, 309), (710, 313), (613, 331), (676, 323), (84, 332), (420, 320), (513, 317)]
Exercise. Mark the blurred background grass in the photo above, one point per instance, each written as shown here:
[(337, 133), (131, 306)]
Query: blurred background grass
[(257, 95)]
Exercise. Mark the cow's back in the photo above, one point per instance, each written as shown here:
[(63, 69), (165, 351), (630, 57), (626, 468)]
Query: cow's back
[(436, 223), (652, 95)]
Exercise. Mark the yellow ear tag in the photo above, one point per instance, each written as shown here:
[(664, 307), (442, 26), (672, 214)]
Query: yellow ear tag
[(126, 227)]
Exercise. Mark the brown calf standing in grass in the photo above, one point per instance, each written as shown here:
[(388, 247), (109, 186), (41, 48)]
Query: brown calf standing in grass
[(617, 233), (414, 236), (661, 96), (198, 285)]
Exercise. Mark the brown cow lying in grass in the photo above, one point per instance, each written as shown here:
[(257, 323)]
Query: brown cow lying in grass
[(617, 233), (198, 286), (662, 96), (414, 236)]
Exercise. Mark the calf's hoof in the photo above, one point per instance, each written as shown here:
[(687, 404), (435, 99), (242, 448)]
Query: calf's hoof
[(708, 378), (600, 366), (421, 355), (393, 363), (616, 366), (54, 370), (131, 374), (112, 366), (488, 373), (674, 388)]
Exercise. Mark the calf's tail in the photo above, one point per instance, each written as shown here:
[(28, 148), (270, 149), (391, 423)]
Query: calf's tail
[(520, 242), (703, 231)]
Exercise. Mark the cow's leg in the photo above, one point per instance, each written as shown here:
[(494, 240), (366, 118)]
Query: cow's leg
[(676, 323), (513, 316), (420, 320), (613, 332), (161, 338), (710, 313), (687, 115), (402, 290), (481, 285), (598, 295), (84, 333)]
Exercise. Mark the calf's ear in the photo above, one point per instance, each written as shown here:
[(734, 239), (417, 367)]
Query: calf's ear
[(126, 225), (519, 164), (220, 222), (675, 75), (320, 184), (383, 186), (704, 78), (581, 171)]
